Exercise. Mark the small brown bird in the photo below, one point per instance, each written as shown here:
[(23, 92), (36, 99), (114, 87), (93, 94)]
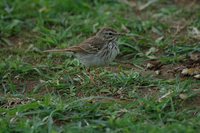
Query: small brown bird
[(98, 50)]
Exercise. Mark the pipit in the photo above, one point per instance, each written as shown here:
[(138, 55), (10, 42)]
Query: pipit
[(98, 50)]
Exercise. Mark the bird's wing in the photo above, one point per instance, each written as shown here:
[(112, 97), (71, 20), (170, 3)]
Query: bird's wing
[(91, 45)]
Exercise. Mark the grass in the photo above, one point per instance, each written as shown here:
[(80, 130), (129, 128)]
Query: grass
[(53, 93)]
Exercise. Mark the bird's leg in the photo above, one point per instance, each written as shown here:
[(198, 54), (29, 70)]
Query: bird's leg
[(90, 75)]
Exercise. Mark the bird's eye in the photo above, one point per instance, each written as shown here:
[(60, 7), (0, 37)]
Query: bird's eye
[(109, 33)]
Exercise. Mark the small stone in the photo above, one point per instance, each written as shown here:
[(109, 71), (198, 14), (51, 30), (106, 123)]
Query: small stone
[(183, 96)]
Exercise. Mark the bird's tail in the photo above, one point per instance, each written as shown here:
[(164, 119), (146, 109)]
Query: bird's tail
[(58, 50)]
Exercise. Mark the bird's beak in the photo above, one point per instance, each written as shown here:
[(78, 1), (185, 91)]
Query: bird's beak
[(124, 34), (120, 34)]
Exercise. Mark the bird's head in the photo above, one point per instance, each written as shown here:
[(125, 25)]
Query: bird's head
[(108, 34)]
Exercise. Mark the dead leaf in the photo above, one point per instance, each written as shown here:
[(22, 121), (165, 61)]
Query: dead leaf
[(197, 76), (191, 71)]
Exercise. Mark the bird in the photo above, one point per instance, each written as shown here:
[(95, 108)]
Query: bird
[(98, 50)]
